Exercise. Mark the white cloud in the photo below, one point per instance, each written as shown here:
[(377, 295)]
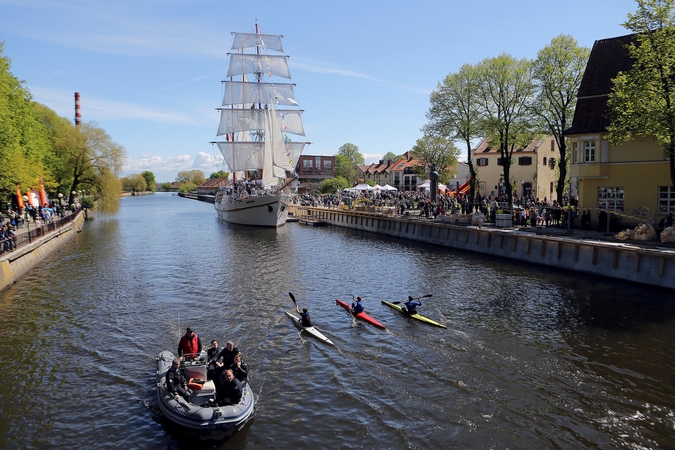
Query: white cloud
[(166, 168)]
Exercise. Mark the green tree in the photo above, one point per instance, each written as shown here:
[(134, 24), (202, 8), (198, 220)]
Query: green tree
[(332, 185), (90, 160), (219, 174), (436, 154), (195, 177), (351, 151), (558, 70), (506, 93), (345, 168), (390, 156), (24, 141), (149, 180), (642, 101), (134, 183), (455, 114), (187, 186), (167, 186)]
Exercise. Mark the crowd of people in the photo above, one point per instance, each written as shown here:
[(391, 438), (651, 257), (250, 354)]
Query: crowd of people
[(527, 210), (11, 220), (225, 366)]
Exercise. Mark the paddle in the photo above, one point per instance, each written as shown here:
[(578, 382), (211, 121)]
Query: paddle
[(292, 298), (424, 296)]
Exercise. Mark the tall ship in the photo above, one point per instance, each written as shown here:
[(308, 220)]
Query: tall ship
[(257, 116)]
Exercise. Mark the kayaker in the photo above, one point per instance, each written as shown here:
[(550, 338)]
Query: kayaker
[(357, 306), (412, 304), (189, 344), (304, 317)]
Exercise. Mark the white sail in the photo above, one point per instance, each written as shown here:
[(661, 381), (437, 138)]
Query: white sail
[(282, 156), (241, 156), (276, 65), (237, 120), (254, 133), (250, 93), (268, 178), (241, 41)]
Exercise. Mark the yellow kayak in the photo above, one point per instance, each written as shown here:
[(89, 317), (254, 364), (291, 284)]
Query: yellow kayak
[(414, 316)]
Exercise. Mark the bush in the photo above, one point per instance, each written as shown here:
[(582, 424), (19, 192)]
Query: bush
[(87, 203)]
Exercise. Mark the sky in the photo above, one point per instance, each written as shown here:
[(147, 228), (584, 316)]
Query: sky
[(149, 71)]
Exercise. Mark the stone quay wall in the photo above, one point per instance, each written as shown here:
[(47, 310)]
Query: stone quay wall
[(647, 265), (18, 263)]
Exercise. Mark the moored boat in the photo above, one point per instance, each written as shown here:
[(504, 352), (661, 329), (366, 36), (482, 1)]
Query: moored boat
[(419, 317), (201, 412), (312, 331), (361, 315), (257, 115)]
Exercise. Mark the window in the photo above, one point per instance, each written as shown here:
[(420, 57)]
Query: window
[(307, 164), (551, 163), (500, 161), (482, 162), (666, 199), (575, 154), (550, 189), (328, 165), (552, 145), (589, 151), (544, 160), (610, 198), (525, 161)]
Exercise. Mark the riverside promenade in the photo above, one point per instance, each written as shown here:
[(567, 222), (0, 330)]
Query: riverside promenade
[(590, 252), (34, 244)]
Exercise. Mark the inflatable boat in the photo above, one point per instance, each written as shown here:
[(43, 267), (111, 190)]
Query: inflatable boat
[(201, 412)]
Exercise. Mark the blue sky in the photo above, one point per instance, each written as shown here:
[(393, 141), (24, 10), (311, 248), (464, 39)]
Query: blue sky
[(149, 71)]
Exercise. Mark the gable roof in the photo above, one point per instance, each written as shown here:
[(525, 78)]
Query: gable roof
[(608, 58), (532, 147)]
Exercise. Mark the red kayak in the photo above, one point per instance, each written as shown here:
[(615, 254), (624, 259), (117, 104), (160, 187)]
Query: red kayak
[(361, 315)]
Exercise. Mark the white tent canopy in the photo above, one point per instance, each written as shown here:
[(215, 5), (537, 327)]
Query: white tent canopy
[(427, 185), (386, 187), (362, 187)]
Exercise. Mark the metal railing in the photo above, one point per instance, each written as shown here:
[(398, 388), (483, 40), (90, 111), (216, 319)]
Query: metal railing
[(29, 231)]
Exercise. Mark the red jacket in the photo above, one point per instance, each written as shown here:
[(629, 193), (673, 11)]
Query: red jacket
[(187, 345)]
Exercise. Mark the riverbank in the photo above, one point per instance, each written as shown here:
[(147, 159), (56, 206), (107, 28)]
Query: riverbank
[(589, 252), (35, 248)]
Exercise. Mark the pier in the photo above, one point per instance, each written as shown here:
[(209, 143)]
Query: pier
[(577, 250)]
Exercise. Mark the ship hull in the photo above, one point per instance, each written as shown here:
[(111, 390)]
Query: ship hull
[(262, 211)]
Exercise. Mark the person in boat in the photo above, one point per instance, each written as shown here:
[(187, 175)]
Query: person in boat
[(190, 343), (305, 321), (357, 306), (229, 390), (176, 383), (239, 368), (412, 304), (213, 353), (224, 360)]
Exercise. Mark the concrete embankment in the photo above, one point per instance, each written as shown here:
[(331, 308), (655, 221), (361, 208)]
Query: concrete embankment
[(650, 265), (16, 264)]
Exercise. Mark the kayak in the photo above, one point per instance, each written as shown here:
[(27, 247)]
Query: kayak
[(361, 315), (310, 330), (414, 316)]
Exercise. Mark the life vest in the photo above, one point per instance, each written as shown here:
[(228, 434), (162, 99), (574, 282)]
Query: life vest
[(190, 345)]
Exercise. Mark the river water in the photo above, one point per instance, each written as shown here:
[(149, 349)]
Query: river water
[(530, 359)]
